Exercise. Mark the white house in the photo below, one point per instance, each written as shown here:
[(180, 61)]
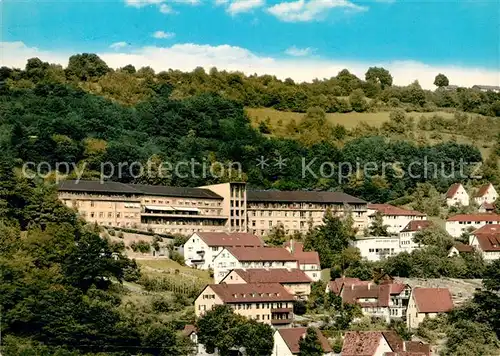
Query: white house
[(375, 248), (427, 302), (395, 218), (308, 260), (459, 248), (458, 224), (407, 235), (457, 195), (286, 342), (486, 194), (486, 240), (251, 257), (386, 301), (202, 247), (487, 208)]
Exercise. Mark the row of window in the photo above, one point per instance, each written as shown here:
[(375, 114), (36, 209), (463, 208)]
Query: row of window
[(182, 202), (109, 215)]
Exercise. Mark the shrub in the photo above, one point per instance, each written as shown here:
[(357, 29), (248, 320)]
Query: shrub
[(111, 232), (120, 234), (140, 246), (299, 307), (177, 257)]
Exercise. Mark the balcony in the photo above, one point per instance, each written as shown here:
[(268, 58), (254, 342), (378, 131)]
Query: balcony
[(198, 261), (281, 321), (282, 310), (200, 252)]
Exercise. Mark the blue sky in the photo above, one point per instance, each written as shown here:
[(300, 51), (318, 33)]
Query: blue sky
[(460, 34)]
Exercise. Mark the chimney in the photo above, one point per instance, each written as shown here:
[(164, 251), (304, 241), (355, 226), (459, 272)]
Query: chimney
[(291, 246), (369, 286)]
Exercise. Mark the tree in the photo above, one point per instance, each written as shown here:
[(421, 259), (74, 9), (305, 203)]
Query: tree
[(86, 66), (358, 101), (309, 345), (434, 236), (377, 227), (277, 236), (299, 307), (380, 76), (441, 81)]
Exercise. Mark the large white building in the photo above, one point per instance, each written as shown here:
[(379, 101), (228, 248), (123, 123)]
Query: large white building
[(457, 195), (393, 217), (486, 194), (407, 235), (458, 224), (251, 257), (486, 240), (202, 247), (376, 248)]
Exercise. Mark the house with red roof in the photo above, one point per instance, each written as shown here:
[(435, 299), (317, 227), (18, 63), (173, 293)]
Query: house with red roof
[(286, 342), (386, 301), (459, 248), (486, 194), (268, 303), (458, 224), (381, 343), (251, 257), (308, 260), (202, 247), (427, 303), (457, 195), (486, 240), (295, 281), (486, 208), (407, 235), (394, 217)]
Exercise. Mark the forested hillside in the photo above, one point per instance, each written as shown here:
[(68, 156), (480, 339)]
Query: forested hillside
[(46, 116)]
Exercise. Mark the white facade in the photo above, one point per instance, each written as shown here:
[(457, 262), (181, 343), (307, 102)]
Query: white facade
[(393, 217), (488, 194), (312, 271), (195, 249), (377, 248), (456, 227), (488, 256), (406, 242), (280, 347), (458, 196), (224, 262)]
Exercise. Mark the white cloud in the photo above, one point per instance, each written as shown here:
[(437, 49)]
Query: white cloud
[(310, 10), (299, 52), (118, 45), (163, 34), (239, 6), (162, 5), (142, 3), (189, 56), (166, 9)]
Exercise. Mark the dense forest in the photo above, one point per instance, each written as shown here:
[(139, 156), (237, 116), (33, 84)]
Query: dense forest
[(50, 114)]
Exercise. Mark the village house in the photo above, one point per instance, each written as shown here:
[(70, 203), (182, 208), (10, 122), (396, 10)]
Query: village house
[(268, 303), (486, 240), (251, 257), (381, 343), (338, 284), (385, 301), (376, 248), (457, 195), (286, 342), (486, 208), (393, 217), (459, 248), (427, 302), (486, 194), (308, 260), (407, 235), (202, 247), (458, 224), (295, 281)]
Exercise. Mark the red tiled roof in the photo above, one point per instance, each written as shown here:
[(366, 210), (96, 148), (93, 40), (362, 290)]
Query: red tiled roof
[(251, 292), (452, 190), (418, 347), (365, 343), (475, 217), (432, 300), (488, 229), (461, 247), (229, 239), (488, 242), (381, 293), (261, 254), (303, 257), (292, 337), (405, 353), (336, 285), (188, 329), (278, 275), (397, 288), (483, 190), (417, 225), (387, 209)]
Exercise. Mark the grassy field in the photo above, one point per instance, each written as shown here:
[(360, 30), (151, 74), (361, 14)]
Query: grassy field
[(349, 120), (152, 267)]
